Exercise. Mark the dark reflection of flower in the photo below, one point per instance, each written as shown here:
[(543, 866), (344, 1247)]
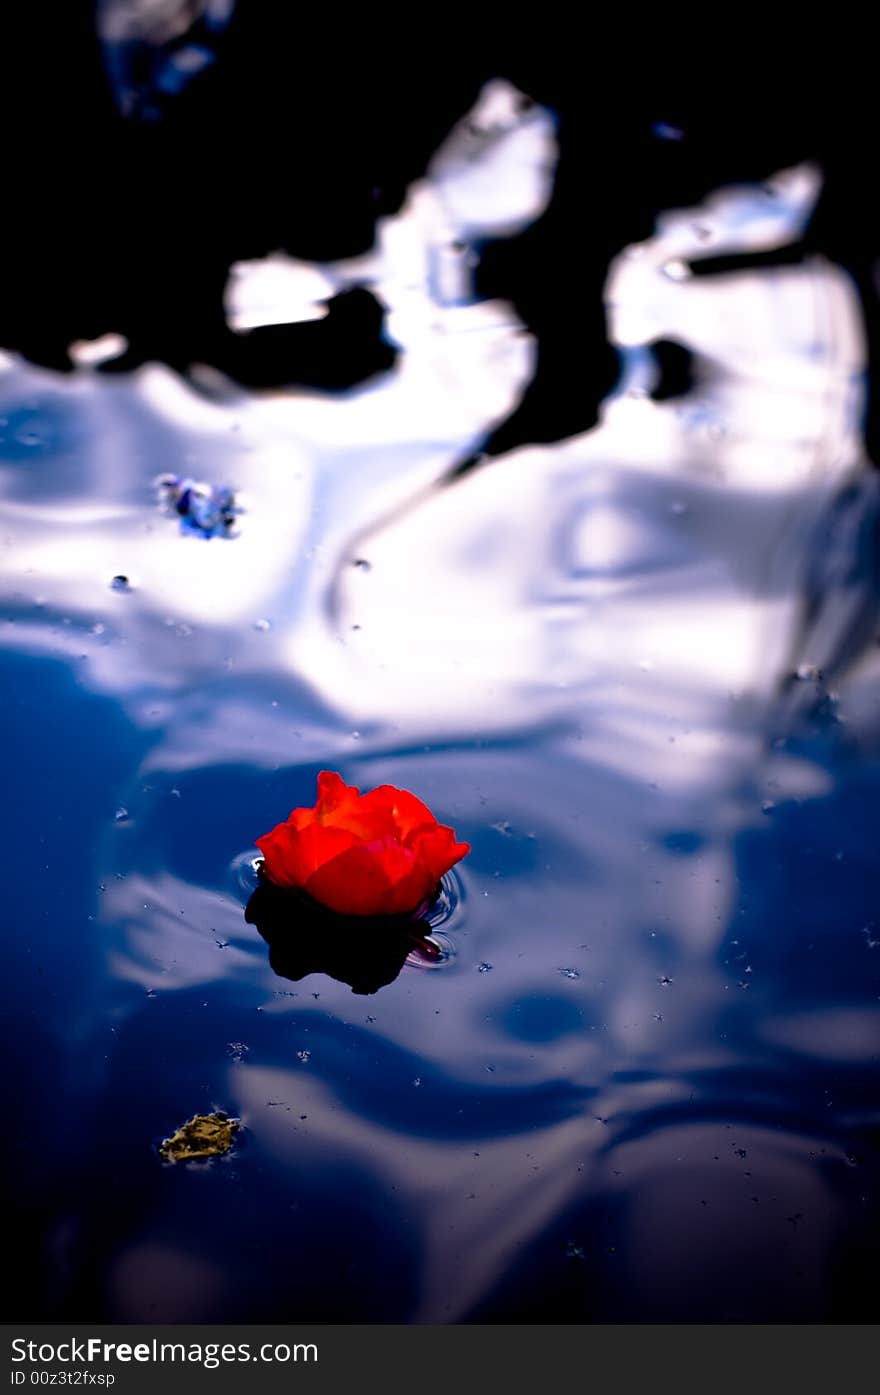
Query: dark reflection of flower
[(363, 951)]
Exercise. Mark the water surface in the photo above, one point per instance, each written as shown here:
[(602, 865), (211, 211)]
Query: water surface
[(637, 672)]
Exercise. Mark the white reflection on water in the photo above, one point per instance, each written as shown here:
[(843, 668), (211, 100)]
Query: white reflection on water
[(645, 575)]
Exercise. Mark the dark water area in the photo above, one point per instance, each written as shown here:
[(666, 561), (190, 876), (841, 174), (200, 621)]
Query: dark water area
[(635, 665)]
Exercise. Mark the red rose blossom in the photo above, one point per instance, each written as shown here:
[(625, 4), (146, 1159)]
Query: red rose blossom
[(375, 854)]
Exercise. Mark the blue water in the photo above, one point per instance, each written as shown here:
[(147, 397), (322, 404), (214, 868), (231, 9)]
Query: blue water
[(639, 1083)]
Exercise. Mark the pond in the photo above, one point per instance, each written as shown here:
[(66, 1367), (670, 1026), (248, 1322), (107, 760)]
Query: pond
[(636, 670)]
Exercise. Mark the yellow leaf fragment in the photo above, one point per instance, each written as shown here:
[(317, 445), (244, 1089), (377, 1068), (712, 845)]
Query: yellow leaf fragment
[(203, 1136)]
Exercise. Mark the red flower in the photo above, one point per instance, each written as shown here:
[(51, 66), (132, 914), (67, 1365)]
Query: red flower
[(381, 853)]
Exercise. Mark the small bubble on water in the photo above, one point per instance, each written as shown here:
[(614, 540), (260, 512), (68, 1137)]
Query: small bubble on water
[(304, 1056), (362, 564), (484, 968), (768, 806), (570, 973), (664, 980), (262, 625), (120, 583), (97, 629), (417, 1081), (573, 1251), (807, 672), (121, 814), (237, 1050)]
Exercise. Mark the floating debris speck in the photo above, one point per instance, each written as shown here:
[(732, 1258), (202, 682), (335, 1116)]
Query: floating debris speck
[(209, 510)]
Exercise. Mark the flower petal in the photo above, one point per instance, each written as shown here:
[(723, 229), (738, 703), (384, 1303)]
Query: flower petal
[(437, 849), (334, 797), (379, 878), (333, 793), (363, 815), (291, 855), (406, 811)]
